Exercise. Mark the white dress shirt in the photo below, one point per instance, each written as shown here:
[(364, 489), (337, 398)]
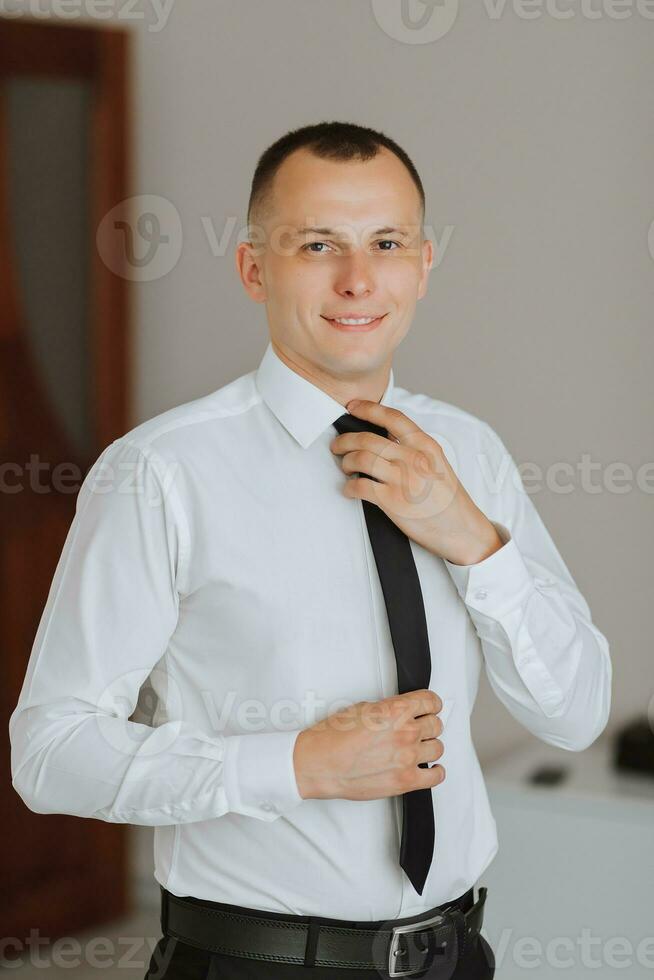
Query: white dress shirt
[(213, 550)]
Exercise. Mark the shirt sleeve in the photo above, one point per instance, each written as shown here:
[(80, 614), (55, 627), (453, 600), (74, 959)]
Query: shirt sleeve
[(545, 659), (112, 607)]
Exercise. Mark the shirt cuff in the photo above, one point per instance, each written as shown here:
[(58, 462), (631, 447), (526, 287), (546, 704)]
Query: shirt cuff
[(496, 584), (258, 774)]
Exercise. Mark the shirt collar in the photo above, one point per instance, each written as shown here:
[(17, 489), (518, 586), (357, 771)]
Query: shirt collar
[(303, 408)]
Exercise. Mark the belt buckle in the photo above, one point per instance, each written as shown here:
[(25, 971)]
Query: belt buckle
[(394, 950)]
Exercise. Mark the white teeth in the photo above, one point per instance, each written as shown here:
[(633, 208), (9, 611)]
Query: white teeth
[(356, 322)]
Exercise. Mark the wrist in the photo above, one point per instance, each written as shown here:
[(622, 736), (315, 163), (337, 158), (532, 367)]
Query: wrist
[(313, 782), (486, 549), (306, 784), (480, 548)]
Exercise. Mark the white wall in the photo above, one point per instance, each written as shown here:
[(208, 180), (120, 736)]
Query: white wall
[(534, 141)]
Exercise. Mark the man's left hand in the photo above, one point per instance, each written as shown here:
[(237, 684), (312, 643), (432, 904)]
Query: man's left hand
[(414, 484)]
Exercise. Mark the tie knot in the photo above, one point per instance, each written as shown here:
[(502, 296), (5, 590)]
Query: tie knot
[(350, 423)]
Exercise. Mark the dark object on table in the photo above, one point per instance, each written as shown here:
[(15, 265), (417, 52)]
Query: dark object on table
[(548, 775), (634, 747)]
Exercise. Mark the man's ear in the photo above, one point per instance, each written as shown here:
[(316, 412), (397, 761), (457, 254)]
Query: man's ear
[(428, 252), (248, 266)]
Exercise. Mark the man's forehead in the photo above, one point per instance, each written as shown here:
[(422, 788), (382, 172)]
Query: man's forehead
[(331, 217), (360, 209), (309, 190)]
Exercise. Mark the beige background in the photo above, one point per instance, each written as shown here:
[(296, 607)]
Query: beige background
[(534, 141)]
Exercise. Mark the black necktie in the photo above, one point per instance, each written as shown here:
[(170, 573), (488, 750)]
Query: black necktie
[(406, 618)]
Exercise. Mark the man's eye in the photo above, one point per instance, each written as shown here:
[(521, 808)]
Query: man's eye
[(311, 244)]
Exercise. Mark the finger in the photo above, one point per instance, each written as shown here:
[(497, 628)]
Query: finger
[(349, 441), (392, 419), (417, 705), (426, 700), (364, 488), (431, 776), (431, 726), (370, 464), (430, 750)]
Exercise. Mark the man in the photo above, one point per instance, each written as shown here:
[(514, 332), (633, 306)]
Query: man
[(313, 570)]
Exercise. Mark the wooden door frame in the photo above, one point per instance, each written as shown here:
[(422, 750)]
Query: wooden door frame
[(90, 896), (101, 55)]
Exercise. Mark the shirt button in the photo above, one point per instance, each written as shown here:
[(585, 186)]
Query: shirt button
[(481, 594), (268, 807)]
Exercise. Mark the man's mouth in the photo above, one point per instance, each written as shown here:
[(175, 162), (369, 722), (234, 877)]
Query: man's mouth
[(355, 324)]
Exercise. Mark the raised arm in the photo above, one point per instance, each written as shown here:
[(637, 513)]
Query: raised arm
[(545, 659)]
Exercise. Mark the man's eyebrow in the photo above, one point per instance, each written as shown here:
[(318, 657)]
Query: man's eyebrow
[(333, 233)]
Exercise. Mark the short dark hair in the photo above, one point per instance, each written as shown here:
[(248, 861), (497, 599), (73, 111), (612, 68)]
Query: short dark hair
[(330, 141)]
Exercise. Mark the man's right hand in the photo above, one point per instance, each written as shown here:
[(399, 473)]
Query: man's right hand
[(371, 749)]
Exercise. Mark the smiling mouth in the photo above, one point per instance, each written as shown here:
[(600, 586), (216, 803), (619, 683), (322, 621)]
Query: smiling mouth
[(355, 324)]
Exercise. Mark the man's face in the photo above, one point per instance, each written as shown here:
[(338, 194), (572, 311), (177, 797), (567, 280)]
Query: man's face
[(366, 258)]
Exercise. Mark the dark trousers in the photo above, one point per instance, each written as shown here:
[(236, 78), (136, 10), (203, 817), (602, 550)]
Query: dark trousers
[(173, 959)]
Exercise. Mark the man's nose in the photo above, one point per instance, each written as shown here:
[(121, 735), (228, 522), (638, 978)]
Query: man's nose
[(355, 275)]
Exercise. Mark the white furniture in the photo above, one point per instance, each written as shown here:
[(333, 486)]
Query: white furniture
[(571, 889)]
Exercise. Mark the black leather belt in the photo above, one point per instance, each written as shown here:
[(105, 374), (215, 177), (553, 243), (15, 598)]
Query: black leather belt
[(398, 947)]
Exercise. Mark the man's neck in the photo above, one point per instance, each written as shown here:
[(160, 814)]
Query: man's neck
[(369, 387)]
